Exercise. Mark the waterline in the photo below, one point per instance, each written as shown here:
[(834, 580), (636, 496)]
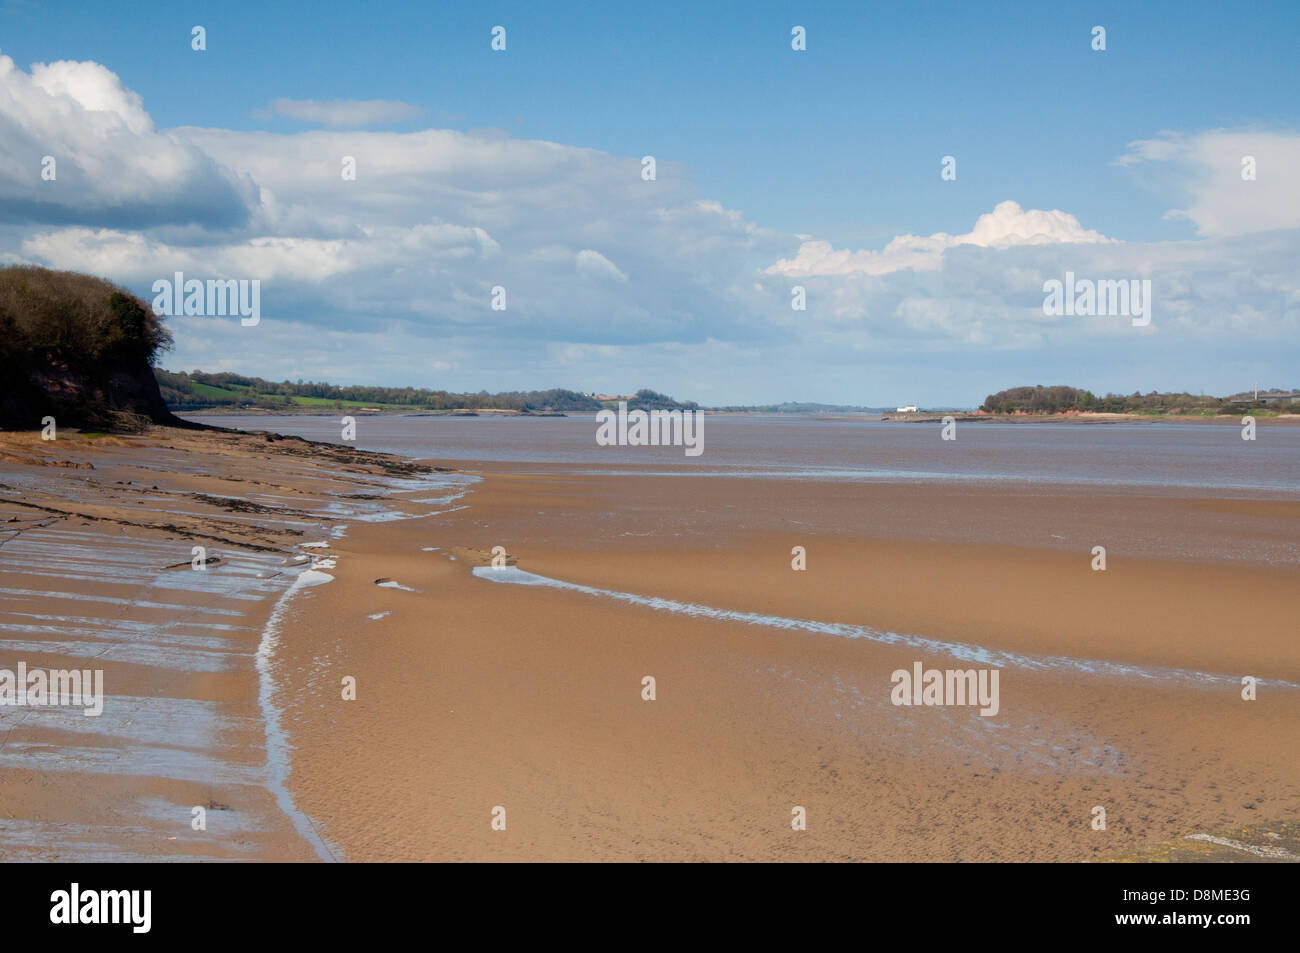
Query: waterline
[(978, 654)]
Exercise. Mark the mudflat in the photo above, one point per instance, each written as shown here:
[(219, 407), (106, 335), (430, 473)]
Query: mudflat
[(482, 660), (99, 572), (1120, 689)]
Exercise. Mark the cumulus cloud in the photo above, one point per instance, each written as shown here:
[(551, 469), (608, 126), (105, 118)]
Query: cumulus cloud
[(612, 281), (342, 113), (77, 146), (429, 224), (1008, 225), (1207, 173)]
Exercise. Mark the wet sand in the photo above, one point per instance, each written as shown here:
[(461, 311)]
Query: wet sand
[(474, 695), (1119, 689), (96, 550)]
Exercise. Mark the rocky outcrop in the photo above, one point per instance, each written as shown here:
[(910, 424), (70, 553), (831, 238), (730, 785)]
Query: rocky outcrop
[(107, 397)]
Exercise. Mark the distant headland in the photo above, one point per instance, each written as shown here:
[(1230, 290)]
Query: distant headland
[(1040, 400)]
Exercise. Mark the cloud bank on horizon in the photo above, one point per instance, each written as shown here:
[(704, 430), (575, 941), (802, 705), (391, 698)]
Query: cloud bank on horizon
[(614, 280)]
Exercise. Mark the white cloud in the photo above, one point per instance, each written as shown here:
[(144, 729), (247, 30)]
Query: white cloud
[(613, 282), (433, 220), (1206, 168), (88, 86), (132, 256), (342, 113), (594, 263), (110, 162), (1007, 226)]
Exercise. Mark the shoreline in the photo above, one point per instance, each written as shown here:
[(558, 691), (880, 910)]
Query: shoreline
[(96, 567), (961, 416), (471, 695), (278, 745), (1234, 420)]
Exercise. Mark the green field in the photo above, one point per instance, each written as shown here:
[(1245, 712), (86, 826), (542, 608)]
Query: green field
[(352, 404), (207, 390)]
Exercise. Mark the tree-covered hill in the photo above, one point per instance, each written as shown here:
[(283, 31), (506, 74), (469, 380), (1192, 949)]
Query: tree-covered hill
[(78, 349), (196, 390), (1061, 399)]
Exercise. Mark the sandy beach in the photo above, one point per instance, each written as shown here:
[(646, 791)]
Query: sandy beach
[(476, 695), (1119, 689), (552, 433), (97, 537)]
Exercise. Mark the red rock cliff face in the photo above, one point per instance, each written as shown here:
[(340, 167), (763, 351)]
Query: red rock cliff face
[(79, 349), (113, 397)]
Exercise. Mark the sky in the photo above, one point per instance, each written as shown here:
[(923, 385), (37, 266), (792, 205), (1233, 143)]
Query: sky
[(779, 174)]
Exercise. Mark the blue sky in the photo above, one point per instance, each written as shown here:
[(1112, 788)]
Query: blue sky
[(760, 149)]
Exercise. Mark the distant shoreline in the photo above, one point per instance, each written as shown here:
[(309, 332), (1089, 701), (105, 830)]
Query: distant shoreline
[(1291, 420), (371, 412), (1285, 420)]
